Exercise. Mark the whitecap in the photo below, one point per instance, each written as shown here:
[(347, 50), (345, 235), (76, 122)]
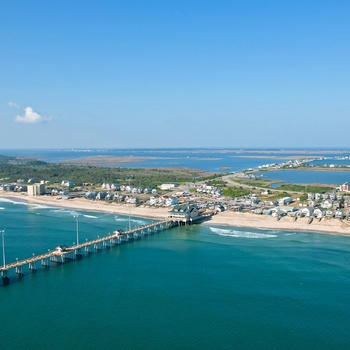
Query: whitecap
[(139, 222), (90, 216), (39, 206), (31, 205), (6, 200), (2, 208), (119, 219), (60, 211), (219, 230), (241, 234)]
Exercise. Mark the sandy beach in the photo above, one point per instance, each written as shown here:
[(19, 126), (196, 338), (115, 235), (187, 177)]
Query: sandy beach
[(90, 205), (331, 226), (228, 218)]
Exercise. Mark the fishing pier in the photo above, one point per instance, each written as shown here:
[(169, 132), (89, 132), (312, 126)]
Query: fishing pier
[(64, 253), (178, 216)]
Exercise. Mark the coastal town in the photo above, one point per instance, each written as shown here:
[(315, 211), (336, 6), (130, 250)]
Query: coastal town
[(175, 175), (332, 204)]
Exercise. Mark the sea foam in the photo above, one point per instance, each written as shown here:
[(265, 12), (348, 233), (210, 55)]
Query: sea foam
[(90, 216), (35, 206), (6, 200), (241, 234)]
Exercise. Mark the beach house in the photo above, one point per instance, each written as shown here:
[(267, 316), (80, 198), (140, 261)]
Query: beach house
[(185, 213)]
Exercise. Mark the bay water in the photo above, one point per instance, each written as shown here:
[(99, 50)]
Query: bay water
[(307, 176), (213, 160), (193, 287)]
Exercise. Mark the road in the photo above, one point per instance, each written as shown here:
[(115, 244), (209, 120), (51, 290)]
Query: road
[(229, 181)]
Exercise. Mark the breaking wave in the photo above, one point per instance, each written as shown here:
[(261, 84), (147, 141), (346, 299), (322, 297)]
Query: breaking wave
[(40, 206), (241, 234), (60, 211), (139, 222), (90, 216), (31, 205), (119, 219), (6, 200)]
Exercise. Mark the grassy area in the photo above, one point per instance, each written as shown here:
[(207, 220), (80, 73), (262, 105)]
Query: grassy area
[(256, 183), (235, 192), (55, 172), (217, 182), (305, 188)]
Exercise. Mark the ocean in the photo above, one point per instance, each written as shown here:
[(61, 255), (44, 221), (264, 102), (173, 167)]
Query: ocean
[(194, 287)]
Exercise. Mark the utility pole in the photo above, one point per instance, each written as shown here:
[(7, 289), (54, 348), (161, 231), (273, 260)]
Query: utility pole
[(77, 221), (3, 247)]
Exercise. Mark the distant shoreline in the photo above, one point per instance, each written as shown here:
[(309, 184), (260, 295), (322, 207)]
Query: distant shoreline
[(226, 218), (345, 170)]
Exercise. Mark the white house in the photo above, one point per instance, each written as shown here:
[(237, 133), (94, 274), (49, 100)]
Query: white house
[(132, 200), (329, 213), (339, 214), (129, 188), (319, 213), (101, 195), (171, 201), (110, 196), (327, 204), (344, 187), (153, 200), (308, 211), (67, 183), (285, 201), (282, 209)]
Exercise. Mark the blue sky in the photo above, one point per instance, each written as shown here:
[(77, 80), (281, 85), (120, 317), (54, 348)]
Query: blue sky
[(149, 73)]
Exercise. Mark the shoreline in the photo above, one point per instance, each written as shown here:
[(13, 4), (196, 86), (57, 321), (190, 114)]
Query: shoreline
[(226, 218), (238, 219), (89, 205)]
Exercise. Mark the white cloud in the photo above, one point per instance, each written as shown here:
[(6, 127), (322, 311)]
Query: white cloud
[(13, 104), (32, 117)]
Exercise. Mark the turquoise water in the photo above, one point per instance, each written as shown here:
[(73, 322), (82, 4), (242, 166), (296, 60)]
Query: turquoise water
[(195, 287)]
